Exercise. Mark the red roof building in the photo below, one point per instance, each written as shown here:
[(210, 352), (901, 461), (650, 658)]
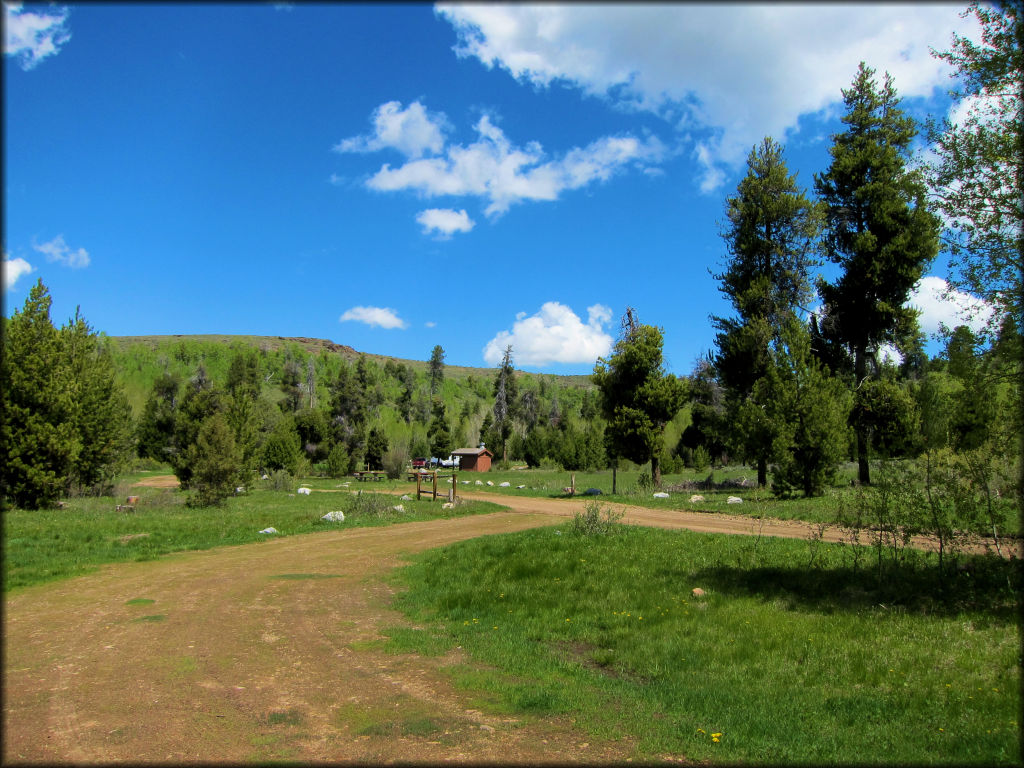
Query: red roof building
[(474, 459)]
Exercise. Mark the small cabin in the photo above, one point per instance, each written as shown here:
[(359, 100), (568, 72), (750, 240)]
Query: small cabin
[(473, 459)]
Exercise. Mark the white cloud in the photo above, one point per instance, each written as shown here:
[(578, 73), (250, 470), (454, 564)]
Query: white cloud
[(411, 131), (554, 335), (941, 305), (382, 317), (494, 169), (737, 72), (444, 221), (57, 250), (429, 324), (33, 36), (14, 269)]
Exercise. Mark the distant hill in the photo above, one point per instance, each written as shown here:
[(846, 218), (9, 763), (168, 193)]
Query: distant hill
[(140, 359)]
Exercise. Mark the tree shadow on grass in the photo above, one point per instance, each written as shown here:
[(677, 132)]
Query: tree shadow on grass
[(988, 587)]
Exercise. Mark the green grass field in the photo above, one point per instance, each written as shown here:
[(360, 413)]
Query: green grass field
[(785, 662), (45, 545)]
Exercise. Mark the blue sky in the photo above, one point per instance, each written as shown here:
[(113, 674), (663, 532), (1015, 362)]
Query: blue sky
[(393, 177)]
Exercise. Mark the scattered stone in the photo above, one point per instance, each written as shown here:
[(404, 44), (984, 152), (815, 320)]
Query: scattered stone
[(269, 530), (304, 491), (479, 482), (406, 497), (661, 495), (240, 489), (505, 485), (591, 492), (264, 477), (447, 505), (698, 592), (695, 498), (489, 482), (398, 508), (734, 500), (334, 517), (520, 486)]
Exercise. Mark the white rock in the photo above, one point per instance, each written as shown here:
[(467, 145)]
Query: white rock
[(696, 497), (520, 486), (406, 497), (464, 482), (269, 530), (304, 491), (334, 517), (398, 508), (449, 481), (661, 495), (447, 505), (489, 482), (264, 477), (479, 482), (240, 489), (504, 485), (734, 500)]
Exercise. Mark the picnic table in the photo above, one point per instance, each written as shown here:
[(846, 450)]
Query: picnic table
[(370, 474)]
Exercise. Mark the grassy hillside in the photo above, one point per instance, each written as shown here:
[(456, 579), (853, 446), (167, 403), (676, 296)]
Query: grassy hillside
[(468, 393)]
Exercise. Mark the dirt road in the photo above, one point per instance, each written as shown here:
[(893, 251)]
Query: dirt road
[(267, 651)]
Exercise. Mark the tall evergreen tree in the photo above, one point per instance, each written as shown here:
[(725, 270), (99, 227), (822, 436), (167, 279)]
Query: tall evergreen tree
[(102, 419), (878, 227), (38, 424), (202, 399), (506, 401), (155, 430), (770, 238), (638, 398), (216, 462), (438, 433), (436, 369)]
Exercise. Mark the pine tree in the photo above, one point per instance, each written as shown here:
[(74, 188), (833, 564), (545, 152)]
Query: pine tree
[(200, 401), (506, 401), (216, 462), (155, 429), (878, 227), (638, 398), (376, 447), (102, 419), (38, 426), (438, 433), (436, 369), (770, 236)]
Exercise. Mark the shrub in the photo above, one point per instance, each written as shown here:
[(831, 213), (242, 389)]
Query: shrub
[(596, 520), (395, 460), (701, 458), (279, 480)]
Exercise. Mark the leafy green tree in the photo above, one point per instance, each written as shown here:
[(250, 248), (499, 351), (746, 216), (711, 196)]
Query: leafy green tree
[(38, 425), (878, 226), (535, 446), (438, 433), (216, 464), (638, 398), (155, 429), (436, 369), (977, 175), (376, 447), (102, 415), (770, 238), (888, 414)]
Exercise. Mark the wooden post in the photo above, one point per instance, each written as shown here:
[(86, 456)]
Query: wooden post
[(434, 497), (572, 485), (419, 479)]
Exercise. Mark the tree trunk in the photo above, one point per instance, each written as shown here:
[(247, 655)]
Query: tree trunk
[(762, 473), (863, 471), (656, 471), (613, 480)]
